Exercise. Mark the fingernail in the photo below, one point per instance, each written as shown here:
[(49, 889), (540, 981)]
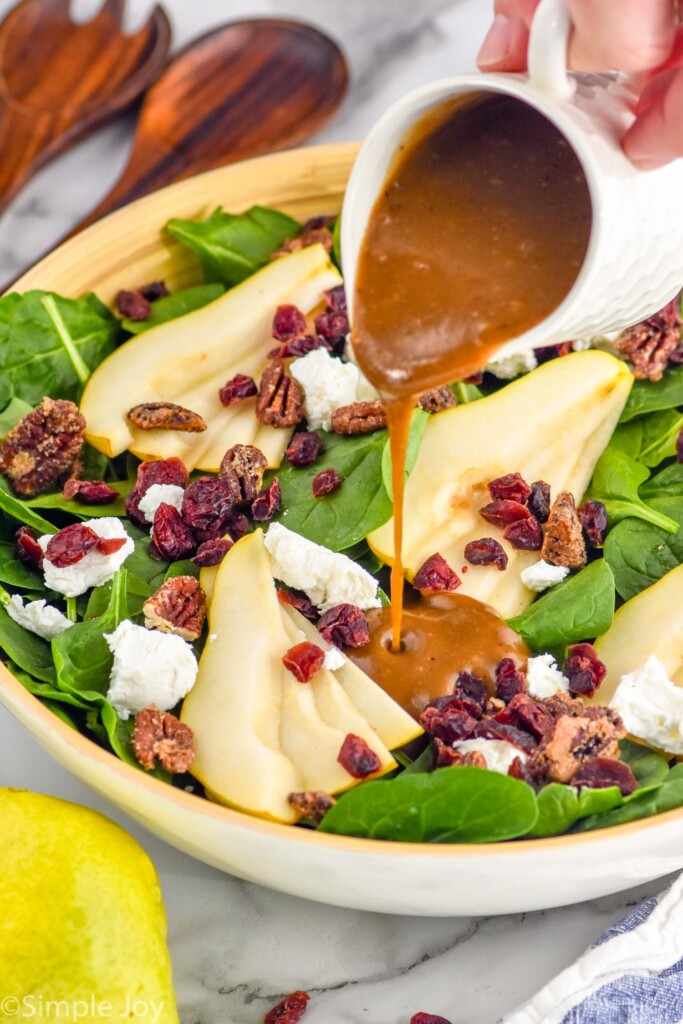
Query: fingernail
[(496, 46)]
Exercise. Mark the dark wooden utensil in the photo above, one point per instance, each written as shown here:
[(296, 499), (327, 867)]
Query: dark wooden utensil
[(252, 87), (59, 80)]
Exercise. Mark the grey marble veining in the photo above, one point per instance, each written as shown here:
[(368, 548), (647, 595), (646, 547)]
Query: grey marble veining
[(238, 948)]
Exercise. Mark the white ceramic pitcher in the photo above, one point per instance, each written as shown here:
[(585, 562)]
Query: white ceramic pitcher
[(634, 262)]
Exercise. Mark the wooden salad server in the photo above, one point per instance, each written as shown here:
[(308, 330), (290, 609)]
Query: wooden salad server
[(59, 80)]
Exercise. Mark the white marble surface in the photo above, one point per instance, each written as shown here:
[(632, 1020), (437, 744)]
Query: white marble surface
[(238, 948)]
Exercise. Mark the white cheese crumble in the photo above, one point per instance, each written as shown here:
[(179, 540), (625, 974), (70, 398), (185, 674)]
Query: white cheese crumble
[(543, 677), (334, 658), (149, 668), (542, 575), (509, 367), (95, 568), (603, 342), (498, 754), (327, 577), (38, 617), (160, 494), (651, 706), (328, 385)]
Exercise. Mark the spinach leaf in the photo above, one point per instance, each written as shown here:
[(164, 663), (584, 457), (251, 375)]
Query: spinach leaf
[(643, 804), (336, 243), (450, 805), (25, 649), (137, 592), (640, 554), (233, 247), (46, 691), (21, 511), (58, 711), (667, 484), (140, 563), (11, 414), (616, 482), (651, 396), (33, 357), (466, 393), (76, 508), (649, 767), (649, 439), (360, 505), (560, 806), (15, 573), (577, 609), (363, 555), (175, 305), (182, 568), (418, 425)]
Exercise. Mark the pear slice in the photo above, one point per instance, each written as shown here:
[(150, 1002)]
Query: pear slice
[(550, 425), (187, 361)]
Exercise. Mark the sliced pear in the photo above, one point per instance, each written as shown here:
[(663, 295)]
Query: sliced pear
[(186, 361), (550, 425)]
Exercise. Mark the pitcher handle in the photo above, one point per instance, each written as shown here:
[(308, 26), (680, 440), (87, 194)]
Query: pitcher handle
[(548, 44)]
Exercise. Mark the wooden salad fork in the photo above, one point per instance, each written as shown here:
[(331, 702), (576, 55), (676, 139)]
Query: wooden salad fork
[(59, 80)]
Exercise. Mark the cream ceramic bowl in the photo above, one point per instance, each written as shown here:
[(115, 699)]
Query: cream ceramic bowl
[(121, 251)]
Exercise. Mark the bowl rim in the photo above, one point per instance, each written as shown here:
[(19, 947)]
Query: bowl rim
[(40, 721)]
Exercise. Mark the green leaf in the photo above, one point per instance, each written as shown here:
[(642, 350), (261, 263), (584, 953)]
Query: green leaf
[(15, 573), (560, 806), (182, 568), (649, 439), (140, 563), (137, 592), (616, 482), (450, 805), (466, 393), (652, 396), (577, 609), (11, 414), (649, 767), (336, 243), (21, 511), (25, 649), (643, 804), (639, 554), (46, 691), (173, 306), (346, 516), (80, 368), (233, 247), (666, 484), (418, 425), (76, 508)]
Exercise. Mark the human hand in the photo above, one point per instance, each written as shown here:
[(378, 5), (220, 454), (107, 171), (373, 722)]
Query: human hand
[(639, 37)]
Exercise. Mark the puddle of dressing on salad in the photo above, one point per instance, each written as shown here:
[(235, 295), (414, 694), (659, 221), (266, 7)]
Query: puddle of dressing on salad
[(478, 235)]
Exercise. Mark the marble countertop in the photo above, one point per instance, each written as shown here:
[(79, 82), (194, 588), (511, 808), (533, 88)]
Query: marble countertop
[(237, 948)]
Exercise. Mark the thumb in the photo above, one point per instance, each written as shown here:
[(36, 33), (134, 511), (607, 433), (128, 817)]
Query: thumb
[(656, 136)]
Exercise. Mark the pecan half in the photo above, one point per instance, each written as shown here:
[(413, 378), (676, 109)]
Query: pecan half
[(316, 230), (280, 401), (178, 606), (437, 399), (577, 738), (313, 805), (563, 543), (244, 465), (166, 416), (160, 736), (43, 448), (359, 418), (650, 345)]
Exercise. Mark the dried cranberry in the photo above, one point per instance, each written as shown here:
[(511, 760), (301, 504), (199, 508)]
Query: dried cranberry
[(448, 724), (29, 550), (539, 501), (332, 326), (299, 346), (511, 487), (70, 545), (470, 687), (526, 713), (593, 518), (502, 512), (584, 670), (490, 729), (296, 599), (268, 503), (525, 535), (154, 291), (548, 352), (509, 680), (237, 388), (436, 574), (457, 702), (89, 492), (486, 551), (171, 534), (288, 322), (109, 545), (336, 299), (357, 758), (212, 552), (290, 1010), (304, 448), (207, 505), (428, 1018), (600, 772), (304, 660), (345, 625), (325, 482), (163, 471), (133, 305), (237, 526)]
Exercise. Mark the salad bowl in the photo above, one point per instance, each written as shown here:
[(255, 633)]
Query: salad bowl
[(390, 877)]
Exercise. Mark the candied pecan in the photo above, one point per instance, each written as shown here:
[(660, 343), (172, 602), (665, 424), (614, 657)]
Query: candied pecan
[(237, 389), (171, 535), (304, 660), (304, 448), (43, 448), (526, 713), (489, 729), (268, 503), (493, 706), (563, 543), (539, 501), (297, 599), (160, 736), (166, 416), (290, 1010), (600, 772), (584, 670), (510, 680), (445, 757), (436, 574), (154, 291), (133, 305), (325, 482), (524, 535), (428, 1018), (178, 606), (357, 758), (649, 345), (212, 552), (344, 625), (288, 322), (315, 231), (502, 512), (89, 492), (243, 466), (437, 399), (29, 550), (512, 487), (333, 326), (593, 518), (280, 401), (313, 805), (469, 686), (486, 551), (71, 544), (449, 723), (207, 505), (359, 418), (578, 738), (563, 704)]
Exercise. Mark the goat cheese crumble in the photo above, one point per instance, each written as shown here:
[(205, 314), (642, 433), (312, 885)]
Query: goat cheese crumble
[(94, 569), (498, 754), (160, 494), (651, 706), (542, 575), (328, 385), (543, 677), (38, 617), (149, 668), (509, 367), (328, 578)]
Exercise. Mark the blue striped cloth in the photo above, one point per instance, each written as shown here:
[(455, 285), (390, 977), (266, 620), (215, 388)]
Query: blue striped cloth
[(633, 974)]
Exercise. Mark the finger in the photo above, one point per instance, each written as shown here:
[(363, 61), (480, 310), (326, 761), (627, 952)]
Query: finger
[(505, 46), (628, 35), (656, 137)]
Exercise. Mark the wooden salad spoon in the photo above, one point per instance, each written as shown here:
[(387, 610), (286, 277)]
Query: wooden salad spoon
[(251, 87), (59, 80)]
